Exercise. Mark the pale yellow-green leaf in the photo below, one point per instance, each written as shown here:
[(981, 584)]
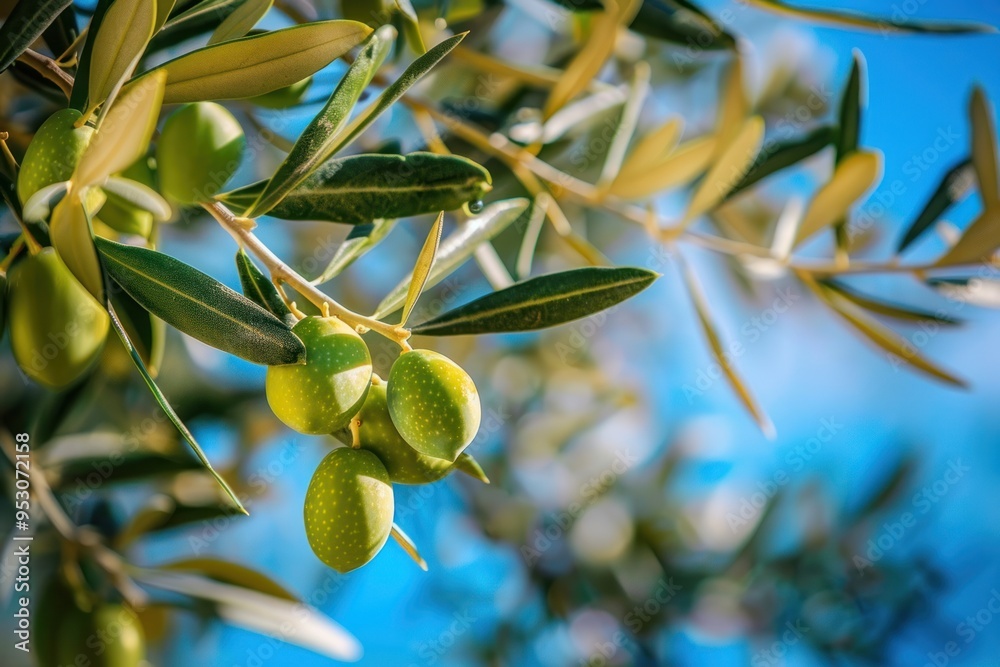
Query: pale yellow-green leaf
[(984, 148), (591, 58), (163, 9), (626, 125), (411, 26), (69, 232), (125, 132), (652, 148), (686, 162), (423, 267), (978, 243), (897, 346), (896, 22), (734, 107), (118, 45), (730, 167), (855, 174), (258, 64), (408, 545), (721, 356), (241, 21)]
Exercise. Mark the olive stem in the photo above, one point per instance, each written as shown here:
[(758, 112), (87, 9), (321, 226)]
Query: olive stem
[(48, 68), (280, 271), (355, 426), (15, 250)]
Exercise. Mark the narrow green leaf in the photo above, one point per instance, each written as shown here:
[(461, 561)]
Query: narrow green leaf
[(200, 306), (733, 161), (361, 239), (422, 268), (258, 288), (118, 45), (146, 331), (783, 154), (849, 128), (408, 545), (954, 186), (81, 82), (470, 466), (25, 23), (984, 148), (542, 302), (71, 235), (169, 410), (681, 22), (627, 121), (241, 21), (361, 188), (199, 18), (888, 308), (411, 26), (458, 248), (849, 19), (318, 141), (258, 64)]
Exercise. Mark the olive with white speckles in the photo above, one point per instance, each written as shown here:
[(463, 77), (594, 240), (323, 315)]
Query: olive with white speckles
[(53, 153), (348, 509), (433, 403), (323, 394), (377, 434)]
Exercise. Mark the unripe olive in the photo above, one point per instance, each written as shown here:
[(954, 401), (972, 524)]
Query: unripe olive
[(282, 98), (321, 395), (348, 508), (433, 403), (109, 636), (53, 153), (127, 218), (56, 327), (199, 150), (377, 434)]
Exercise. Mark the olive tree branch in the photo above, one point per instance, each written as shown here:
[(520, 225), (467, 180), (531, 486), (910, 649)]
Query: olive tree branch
[(48, 68)]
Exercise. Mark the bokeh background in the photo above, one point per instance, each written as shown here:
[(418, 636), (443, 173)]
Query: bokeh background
[(637, 515)]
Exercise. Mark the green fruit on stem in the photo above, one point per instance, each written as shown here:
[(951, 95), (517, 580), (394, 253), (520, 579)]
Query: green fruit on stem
[(321, 395), (378, 435), (57, 328), (53, 153), (109, 636), (348, 508), (199, 150), (433, 404), (282, 98)]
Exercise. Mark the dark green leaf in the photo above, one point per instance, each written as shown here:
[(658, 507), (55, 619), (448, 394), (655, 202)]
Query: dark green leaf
[(362, 188), (681, 22), (888, 308), (61, 33), (954, 186), (146, 331), (775, 156), (81, 84), (849, 129), (200, 18), (258, 288), (542, 302), (318, 142), (26, 22), (361, 239), (200, 306), (884, 25)]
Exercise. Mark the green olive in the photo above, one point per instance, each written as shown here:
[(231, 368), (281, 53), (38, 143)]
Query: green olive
[(56, 327), (377, 434), (199, 150), (53, 153), (433, 403), (348, 508), (282, 98), (109, 636), (127, 218), (321, 395)]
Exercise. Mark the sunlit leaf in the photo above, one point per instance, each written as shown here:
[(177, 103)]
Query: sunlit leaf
[(982, 292), (779, 155), (318, 141), (422, 268), (542, 302), (200, 306), (228, 572), (734, 107), (118, 45), (652, 148), (138, 195), (411, 26), (458, 248), (71, 236), (884, 25), (408, 545), (25, 24), (241, 21), (984, 148), (258, 64), (954, 186), (851, 179), (467, 464), (626, 125), (978, 242), (198, 18), (732, 163), (686, 162), (163, 9), (361, 239), (887, 308)]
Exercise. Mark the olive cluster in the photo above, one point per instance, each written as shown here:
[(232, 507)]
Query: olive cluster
[(410, 429)]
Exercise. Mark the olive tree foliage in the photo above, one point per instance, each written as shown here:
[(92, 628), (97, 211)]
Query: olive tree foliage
[(138, 116)]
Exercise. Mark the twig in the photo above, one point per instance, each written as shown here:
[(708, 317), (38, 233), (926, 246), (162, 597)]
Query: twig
[(49, 69)]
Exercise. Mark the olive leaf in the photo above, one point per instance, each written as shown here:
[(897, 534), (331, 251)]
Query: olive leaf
[(169, 410), (139, 195), (200, 306), (72, 237), (848, 132), (858, 172), (146, 331), (361, 188), (62, 32), (887, 308), (850, 19), (679, 21), (241, 21), (411, 26), (163, 10), (734, 107), (954, 186), (258, 288), (124, 134), (652, 148), (81, 81), (408, 545), (465, 463), (258, 64), (458, 247), (318, 142), (732, 163), (724, 360), (232, 573), (542, 302), (198, 18), (25, 23), (39, 205), (782, 154), (686, 162), (361, 239), (627, 121), (422, 268), (120, 40)]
